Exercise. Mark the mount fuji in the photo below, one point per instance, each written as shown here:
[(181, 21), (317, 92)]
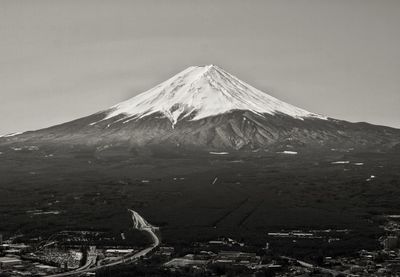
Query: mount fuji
[(206, 108), (199, 92)]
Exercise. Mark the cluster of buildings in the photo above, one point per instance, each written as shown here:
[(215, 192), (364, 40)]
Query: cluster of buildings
[(216, 257), (367, 263), (10, 254), (392, 227), (381, 262), (225, 242), (209, 262), (204, 258), (9, 261), (329, 235), (12, 262), (219, 256), (61, 252), (9, 248), (13, 266), (391, 242), (66, 259)]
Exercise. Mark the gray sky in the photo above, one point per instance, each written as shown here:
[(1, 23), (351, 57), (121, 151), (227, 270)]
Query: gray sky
[(61, 60)]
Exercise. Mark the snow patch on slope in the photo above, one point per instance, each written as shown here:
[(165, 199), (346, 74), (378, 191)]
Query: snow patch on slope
[(288, 152), (199, 92), (11, 135), (341, 162)]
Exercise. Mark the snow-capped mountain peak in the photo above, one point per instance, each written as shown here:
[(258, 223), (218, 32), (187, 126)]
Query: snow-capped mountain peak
[(199, 92), (211, 110)]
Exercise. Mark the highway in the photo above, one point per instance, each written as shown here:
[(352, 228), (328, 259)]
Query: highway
[(131, 257)]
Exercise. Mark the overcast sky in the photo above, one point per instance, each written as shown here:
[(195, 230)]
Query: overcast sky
[(61, 60)]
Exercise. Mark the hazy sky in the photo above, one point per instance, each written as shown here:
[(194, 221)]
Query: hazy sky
[(61, 60)]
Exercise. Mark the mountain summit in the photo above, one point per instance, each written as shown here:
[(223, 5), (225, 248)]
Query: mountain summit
[(206, 108), (199, 92)]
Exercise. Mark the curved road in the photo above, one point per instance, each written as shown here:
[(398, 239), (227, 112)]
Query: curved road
[(125, 259)]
